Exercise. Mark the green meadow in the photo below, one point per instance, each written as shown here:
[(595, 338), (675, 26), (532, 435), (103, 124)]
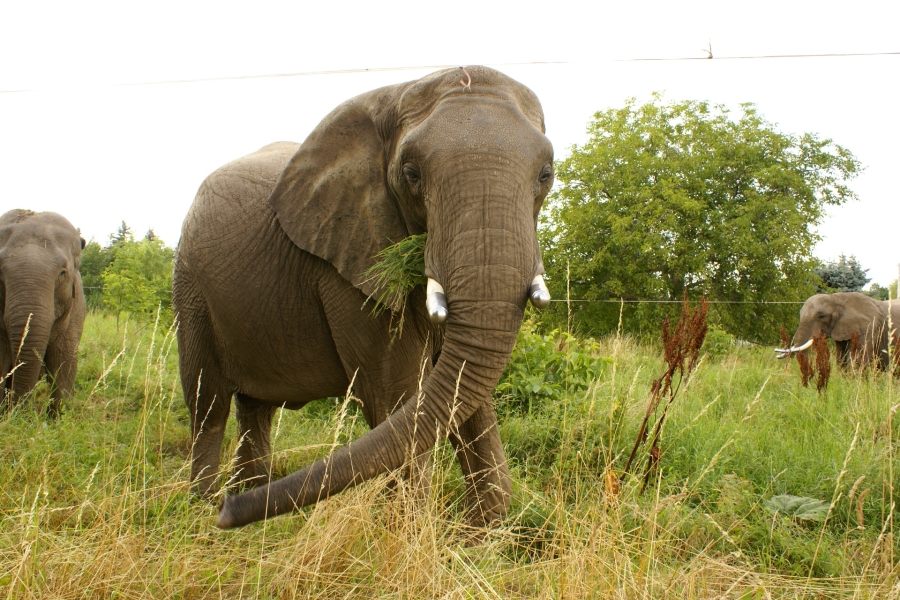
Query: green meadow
[(762, 488)]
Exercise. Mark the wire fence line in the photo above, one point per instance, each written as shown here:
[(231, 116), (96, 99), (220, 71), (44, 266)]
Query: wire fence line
[(422, 67), (623, 301)]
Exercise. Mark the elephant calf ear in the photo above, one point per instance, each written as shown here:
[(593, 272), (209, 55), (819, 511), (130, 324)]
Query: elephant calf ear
[(332, 199)]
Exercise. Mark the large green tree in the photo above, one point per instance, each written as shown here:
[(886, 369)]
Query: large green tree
[(668, 199)]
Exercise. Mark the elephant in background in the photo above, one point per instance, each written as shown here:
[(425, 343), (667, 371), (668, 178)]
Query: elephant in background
[(41, 294), (840, 316), (270, 284)]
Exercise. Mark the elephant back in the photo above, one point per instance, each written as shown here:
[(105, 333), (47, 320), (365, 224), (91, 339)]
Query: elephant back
[(234, 196)]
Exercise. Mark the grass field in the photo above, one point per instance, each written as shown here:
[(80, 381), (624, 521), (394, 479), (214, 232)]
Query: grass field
[(96, 504)]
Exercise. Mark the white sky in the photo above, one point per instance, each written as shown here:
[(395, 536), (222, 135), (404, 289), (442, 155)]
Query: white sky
[(82, 144)]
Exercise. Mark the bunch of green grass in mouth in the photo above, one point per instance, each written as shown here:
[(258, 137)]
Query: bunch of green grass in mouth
[(399, 268)]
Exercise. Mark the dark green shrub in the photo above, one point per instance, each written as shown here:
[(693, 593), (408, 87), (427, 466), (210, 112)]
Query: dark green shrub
[(544, 368)]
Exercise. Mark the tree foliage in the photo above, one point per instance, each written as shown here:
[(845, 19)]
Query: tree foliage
[(127, 275), (843, 275), (668, 200), (94, 259), (883, 293), (139, 277)]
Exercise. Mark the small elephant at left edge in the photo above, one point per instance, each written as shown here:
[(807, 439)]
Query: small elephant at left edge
[(42, 305)]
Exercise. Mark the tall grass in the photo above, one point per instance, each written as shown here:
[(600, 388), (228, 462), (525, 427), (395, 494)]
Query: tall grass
[(96, 504)]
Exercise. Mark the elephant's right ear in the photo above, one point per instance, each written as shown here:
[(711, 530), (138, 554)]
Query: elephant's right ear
[(332, 199)]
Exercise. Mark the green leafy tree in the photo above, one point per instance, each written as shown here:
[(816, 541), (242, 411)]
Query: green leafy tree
[(139, 278), (667, 200), (844, 275), (883, 293), (94, 259)]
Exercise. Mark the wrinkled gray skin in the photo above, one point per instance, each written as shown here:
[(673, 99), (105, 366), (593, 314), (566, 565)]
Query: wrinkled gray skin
[(269, 286), (842, 314), (39, 258)]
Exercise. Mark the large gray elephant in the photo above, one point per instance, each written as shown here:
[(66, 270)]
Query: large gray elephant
[(840, 316), (270, 282), (41, 298)]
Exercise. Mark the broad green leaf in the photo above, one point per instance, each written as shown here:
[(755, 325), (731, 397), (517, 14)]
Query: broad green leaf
[(799, 507)]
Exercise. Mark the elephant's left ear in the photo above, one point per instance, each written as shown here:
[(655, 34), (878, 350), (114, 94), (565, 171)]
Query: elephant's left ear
[(332, 199)]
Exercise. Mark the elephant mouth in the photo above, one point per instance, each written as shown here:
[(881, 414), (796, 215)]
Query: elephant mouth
[(785, 352)]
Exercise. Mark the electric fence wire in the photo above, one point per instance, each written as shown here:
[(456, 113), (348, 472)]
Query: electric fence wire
[(433, 67)]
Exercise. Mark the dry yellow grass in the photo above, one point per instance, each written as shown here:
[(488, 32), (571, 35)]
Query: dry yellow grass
[(97, 506)]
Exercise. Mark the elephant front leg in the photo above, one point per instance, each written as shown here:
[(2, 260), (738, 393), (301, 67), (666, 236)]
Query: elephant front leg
[(254, 453), (844, 359), (483, 462), (61, 363)]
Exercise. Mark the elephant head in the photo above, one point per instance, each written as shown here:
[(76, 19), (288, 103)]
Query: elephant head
[(40, 297), (461, 155), (843, 316)]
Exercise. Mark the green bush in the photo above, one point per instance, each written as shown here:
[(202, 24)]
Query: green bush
[(138, 280), (717, 342), (547, 367)]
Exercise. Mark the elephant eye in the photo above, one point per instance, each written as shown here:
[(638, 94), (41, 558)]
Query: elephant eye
[(411, 173), (546, 174), (62, 275)]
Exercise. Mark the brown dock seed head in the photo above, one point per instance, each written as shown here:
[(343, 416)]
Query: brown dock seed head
[(806, 369), (823, 361), (856, 357)]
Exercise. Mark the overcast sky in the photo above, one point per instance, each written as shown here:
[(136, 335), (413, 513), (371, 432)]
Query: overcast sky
[(75, 140)]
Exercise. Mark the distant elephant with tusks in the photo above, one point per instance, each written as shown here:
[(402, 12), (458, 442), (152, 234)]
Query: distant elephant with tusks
[(840, 316)]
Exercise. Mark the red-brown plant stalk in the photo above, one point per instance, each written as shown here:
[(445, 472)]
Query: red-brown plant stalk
[(823, 361), (681, 350)]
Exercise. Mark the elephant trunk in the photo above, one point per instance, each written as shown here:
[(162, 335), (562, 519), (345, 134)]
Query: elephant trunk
[(486, 270), (803, 335), (803, 339), (478, 340), (28, 325)]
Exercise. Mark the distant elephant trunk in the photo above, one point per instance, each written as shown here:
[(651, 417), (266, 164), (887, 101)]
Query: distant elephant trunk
[(804, 334), (802, 339), (28, 325), (486, 269)]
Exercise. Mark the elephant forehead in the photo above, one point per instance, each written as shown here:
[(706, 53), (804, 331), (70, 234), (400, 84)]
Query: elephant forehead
[(484, 124), (422, 99)]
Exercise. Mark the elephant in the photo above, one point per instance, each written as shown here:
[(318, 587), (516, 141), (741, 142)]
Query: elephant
[(42, 305), (270, 283), (840, 316)]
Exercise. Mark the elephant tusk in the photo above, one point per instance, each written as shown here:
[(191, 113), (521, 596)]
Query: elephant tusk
[(788, 351), (436, 302), (808, 343), (538, 292)]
